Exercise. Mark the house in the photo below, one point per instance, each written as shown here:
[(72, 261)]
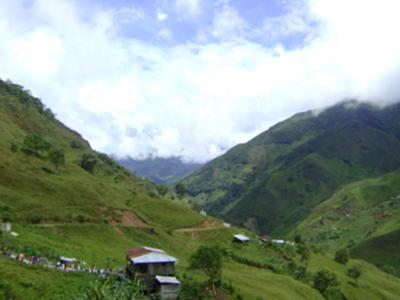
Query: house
[(67, 263), (167, 287), (147, 263), (240, 238), (5, 226), (264, 239)]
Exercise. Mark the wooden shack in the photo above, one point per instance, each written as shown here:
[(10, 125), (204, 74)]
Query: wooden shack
[(147, 263), (167, 287), (240, 238)]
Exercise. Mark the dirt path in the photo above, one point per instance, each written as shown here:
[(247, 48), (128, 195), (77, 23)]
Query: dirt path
[(206, 225)]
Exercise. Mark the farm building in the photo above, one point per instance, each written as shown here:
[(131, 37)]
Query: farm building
[(264, 238), (148, 263), (67, 263), (240, 238), (167, 287)]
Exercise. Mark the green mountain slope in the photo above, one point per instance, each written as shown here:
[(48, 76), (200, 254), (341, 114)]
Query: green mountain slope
[(272, 182), (94, 210), (364, 216)]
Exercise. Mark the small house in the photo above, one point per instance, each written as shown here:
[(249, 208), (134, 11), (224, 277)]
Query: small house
[(240, 238), (147, 263), (5, 226), (67, 263), (264, 239), (167, 287)]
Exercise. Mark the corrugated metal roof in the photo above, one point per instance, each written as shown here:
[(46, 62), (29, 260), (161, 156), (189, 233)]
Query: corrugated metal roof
[(241, 237), (150, 249), (67, 259), (167, 280), (153, 257), (136, 252)]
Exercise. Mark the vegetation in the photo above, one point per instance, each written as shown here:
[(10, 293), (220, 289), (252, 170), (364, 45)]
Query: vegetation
[(209, 260), (354, 272), (281, 175), (327, 283), (95, 210), (342, 256), (112, 288), (57, 157)]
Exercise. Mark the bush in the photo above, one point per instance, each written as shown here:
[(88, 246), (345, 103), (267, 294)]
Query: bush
[(191, 289), (88, 162), (327, 283), (81, 218), (354, 272), (342, 256), (6, 292), (35, 219), (75, 145), (14, 148), (57, 157), (298, 239), (35, 144)]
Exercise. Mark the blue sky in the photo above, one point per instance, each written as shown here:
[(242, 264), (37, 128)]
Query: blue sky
[(192, 78)]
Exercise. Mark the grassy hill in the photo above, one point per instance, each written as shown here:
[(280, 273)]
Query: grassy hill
[(275, 180), (364, 216), (93, 209)]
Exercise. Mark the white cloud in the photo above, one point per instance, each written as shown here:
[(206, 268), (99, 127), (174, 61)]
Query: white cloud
[(161, 16), (188, 7), (196, 100), (227, 23)]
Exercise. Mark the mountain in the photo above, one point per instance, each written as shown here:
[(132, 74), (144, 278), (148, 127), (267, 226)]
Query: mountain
[(275, 180), (65, 199), (160, 170)]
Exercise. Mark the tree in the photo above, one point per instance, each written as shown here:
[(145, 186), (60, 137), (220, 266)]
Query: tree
[(304, 252), (162, 189), (35, 144), (209, 260), (354, 272), (327, 283), (180, 189), (57, 157), (342, 256), (298, 239)]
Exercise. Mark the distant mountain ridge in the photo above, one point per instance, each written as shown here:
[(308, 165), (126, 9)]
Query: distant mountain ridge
[(160, 170), (273, 182)]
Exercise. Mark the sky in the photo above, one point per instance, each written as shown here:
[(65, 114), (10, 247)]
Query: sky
[(192, 78)]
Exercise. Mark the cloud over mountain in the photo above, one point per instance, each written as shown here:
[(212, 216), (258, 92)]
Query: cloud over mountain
[(130, 90)]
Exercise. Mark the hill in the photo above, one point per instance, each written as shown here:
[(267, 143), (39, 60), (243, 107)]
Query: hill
[(275, 180), (91, 208), (160, 170)]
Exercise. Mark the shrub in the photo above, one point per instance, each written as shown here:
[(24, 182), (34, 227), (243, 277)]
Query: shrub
[(57, 157), (6, 292), (81, 218), (88, 162), (35, 219), (75, 145), (14, 148), (35, 144), (354, 272), (327, 283), (298, 239), (342, 256)]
